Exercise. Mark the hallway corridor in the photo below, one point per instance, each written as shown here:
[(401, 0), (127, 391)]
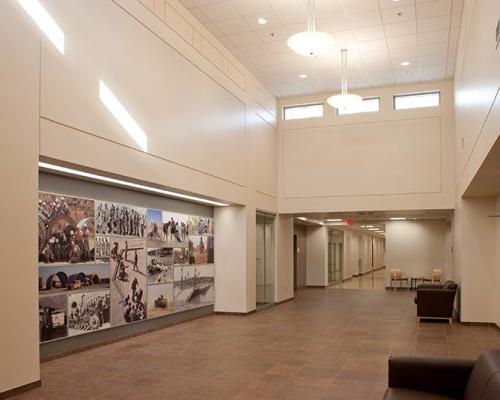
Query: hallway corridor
[(372, 280)]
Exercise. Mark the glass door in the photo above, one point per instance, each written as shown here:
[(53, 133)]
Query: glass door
[(264, 262)]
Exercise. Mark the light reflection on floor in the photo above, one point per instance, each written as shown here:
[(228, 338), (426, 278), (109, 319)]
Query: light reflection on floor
[(373, 280)]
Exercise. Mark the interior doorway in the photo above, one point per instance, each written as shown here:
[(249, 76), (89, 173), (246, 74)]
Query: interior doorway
[(335, 256), (265, 260)]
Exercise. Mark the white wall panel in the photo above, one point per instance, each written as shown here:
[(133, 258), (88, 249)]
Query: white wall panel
[(266, 158), (188, 117), (415, 246), (477, 85), (394, 157), (317, 256)]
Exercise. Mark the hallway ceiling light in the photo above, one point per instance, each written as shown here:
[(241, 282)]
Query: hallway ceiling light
[(405, 63), (373, 229), (45, 22), (311, 43), (397, 219), (302, 76), (333, 220), (122, 116), (344, 100), (368, 226), (119, 182), (262, 21)]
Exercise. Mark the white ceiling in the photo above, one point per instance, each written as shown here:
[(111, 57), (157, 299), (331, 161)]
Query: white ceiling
[(379, 34)]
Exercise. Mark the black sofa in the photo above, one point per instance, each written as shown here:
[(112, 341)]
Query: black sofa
[(436, 301), (413, 378)]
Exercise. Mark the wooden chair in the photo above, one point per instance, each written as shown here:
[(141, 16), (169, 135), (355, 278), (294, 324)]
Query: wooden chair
[(436, 276), (396, 275)]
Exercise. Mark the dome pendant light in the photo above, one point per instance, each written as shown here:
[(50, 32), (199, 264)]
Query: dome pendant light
[(311, 43), (344, 100)]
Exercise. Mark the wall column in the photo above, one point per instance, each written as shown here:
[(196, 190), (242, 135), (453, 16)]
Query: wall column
[(284, 269), (474, 246), (19, 69)]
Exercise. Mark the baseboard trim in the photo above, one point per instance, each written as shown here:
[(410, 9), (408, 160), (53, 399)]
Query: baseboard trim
[(285, 301), (488, 324), (235, 313), (21, 389)]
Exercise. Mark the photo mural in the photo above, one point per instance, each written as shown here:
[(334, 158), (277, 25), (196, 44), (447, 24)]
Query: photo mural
[(104, 264)]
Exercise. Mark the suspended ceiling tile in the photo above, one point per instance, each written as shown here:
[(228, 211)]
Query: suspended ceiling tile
[(379, 34)]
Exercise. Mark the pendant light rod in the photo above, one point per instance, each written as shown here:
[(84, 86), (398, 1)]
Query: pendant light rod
[(311, 20), (344, 99)]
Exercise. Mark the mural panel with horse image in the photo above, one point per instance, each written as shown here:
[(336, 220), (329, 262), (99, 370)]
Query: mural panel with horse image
[(66, 229)]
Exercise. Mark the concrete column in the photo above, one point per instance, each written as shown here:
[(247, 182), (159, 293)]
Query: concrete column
[(19, 69)]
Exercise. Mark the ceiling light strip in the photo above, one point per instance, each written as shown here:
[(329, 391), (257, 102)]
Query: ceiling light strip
[(137, 186)]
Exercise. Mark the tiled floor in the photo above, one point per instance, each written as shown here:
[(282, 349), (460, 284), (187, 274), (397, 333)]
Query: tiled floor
[(373, 280), (326, 344)]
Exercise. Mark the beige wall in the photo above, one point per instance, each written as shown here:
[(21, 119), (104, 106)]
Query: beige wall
[(211, 125), (351, 254), (317, 256), (211, 129), (475, 265), (390, 160), (477, 82), (415, 246), (358, 253), (284, 270), (497, 267), (19, 360), (475, 236)]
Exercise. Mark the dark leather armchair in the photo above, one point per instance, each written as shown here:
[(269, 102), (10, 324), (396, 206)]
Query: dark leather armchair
[(413, 378), (436, 301)]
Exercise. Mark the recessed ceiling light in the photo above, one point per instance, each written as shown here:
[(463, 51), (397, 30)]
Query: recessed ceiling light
[(405, 63), (369, 226), (333, 220), (397, 219), (262, 21), (372, 229), (302, 76)]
